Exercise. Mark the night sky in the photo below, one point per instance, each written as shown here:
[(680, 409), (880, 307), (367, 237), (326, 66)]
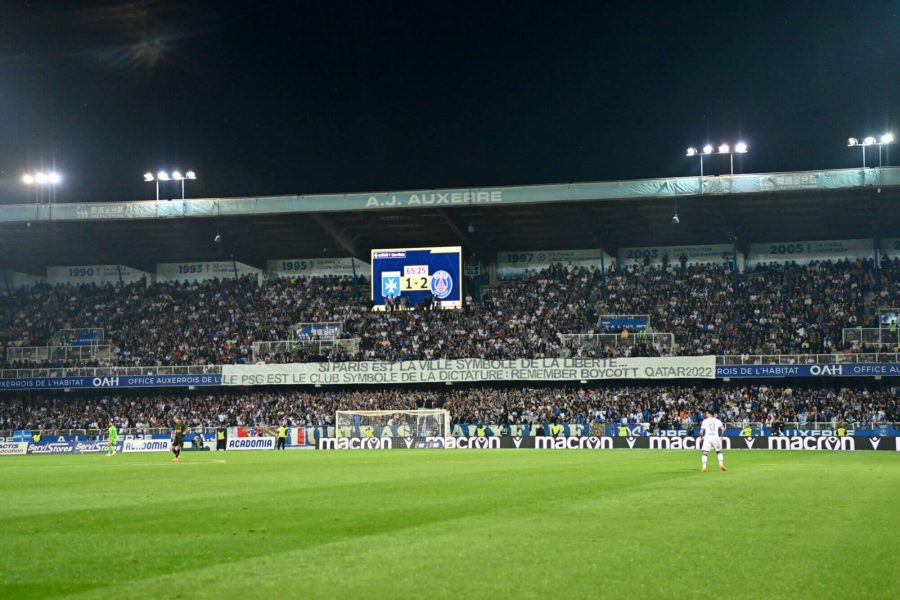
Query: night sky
[(268, 98)]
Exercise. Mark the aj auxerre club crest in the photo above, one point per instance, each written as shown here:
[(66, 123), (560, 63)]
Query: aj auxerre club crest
[(390, 284), (441, 284)]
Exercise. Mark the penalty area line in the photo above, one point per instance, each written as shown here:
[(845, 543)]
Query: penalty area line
[(161, 463)]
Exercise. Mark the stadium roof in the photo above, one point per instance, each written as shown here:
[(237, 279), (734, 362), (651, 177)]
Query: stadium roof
[(837, 204)]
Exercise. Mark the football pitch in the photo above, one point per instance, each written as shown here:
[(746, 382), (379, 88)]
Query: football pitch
[(437, 524)]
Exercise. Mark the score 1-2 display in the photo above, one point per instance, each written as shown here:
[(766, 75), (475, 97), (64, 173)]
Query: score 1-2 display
[(417, 274)]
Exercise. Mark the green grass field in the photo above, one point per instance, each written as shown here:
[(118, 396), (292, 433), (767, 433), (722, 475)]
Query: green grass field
[(433, 523)]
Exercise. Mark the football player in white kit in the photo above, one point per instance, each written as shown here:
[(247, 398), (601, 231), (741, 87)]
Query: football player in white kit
[(711, 432)]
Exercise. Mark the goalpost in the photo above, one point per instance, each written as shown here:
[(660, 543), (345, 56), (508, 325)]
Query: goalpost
[(418, 424)]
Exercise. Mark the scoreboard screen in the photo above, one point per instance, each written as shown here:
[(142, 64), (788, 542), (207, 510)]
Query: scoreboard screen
[(417, 274)]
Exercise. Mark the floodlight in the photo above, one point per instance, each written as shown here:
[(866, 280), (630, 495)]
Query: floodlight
[(853, 142), (740, 147), (868, 141), (27, 178), (53, 177), (723, 149), (887, 138), (40, 178), (707, 149), (175, 175), (691, 151)]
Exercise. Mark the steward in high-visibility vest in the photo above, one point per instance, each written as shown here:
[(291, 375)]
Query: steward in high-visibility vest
[(556, 430), (746, 432), (220, 439), (282, 437), (623, 431), (112, 437)]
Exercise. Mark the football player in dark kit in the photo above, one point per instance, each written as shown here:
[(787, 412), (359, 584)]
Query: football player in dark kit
[(178, 442)]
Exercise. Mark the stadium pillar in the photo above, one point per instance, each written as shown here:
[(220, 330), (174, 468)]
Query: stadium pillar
[(475, 288), (737, 277), (603, 274), (876, 255), (355, 278)]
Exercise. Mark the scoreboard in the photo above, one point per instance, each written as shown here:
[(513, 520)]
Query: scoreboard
[(417, 274)]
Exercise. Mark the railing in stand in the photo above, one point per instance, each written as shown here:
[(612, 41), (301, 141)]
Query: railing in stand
[(109, 371), (808, 359)]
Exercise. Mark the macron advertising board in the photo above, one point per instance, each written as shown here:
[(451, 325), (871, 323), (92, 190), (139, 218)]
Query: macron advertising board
[(800, 443)]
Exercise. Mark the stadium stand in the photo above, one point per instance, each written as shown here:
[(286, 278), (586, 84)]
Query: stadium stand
[(668, 406), (734, 279), (771, 309)]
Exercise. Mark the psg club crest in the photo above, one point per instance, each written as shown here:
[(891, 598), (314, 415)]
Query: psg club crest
[(441, 284), (390, 284)]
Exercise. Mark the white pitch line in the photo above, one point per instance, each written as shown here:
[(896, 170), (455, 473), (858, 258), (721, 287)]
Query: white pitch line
[(161, 463)]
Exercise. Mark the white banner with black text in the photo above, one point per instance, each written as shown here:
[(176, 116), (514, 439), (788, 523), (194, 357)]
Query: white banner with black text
[(471, 370)]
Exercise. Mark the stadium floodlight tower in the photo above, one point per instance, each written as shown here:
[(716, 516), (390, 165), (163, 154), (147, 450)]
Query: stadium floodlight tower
[(884, 140), (739, 148), (164, 176), (41, 180)]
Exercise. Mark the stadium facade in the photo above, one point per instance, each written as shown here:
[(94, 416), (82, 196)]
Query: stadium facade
[(739, 223)]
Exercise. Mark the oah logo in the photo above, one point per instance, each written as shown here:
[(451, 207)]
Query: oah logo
[(441, 284)]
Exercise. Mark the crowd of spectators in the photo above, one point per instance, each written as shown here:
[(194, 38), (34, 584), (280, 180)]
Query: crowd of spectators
[(176, 323), (669, 406), (709, 309), (792, 309), (889, 294)]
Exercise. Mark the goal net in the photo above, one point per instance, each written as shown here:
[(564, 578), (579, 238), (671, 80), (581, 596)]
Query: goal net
[(417, 424)]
